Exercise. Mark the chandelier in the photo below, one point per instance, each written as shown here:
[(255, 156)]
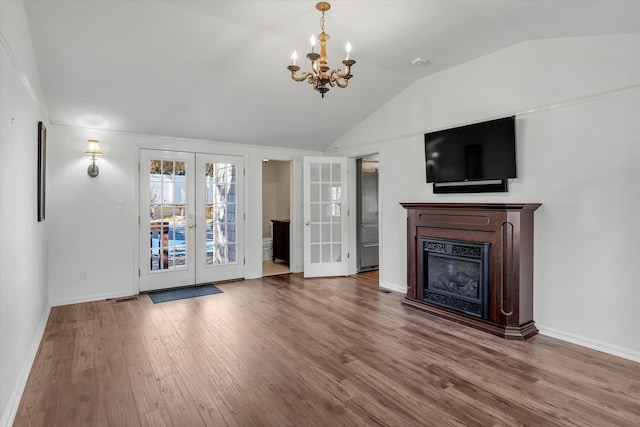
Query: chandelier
[(319, 76)]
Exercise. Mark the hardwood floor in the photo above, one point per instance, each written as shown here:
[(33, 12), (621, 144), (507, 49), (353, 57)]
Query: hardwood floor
[(272, 268), (284, 351)]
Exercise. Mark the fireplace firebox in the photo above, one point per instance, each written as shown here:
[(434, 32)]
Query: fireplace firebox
[(454, 275)]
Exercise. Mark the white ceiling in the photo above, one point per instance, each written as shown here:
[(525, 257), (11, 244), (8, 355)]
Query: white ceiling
[(216, 70)]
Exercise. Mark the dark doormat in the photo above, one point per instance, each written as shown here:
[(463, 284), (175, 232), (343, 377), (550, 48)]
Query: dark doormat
[(183, 293)]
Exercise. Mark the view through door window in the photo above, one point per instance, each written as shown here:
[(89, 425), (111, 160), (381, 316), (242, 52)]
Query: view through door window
[(220, 211), (167, 201)]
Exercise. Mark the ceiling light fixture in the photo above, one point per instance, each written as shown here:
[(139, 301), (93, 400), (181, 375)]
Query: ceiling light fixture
[(319, 76)]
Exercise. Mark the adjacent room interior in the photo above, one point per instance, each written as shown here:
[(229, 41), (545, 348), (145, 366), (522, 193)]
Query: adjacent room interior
[(424, 214), (276, 213)]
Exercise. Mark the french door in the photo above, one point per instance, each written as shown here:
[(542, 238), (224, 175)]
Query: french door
[(191, 219), (325, 216)]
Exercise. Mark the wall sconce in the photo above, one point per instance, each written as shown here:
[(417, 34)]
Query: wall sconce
[(93, 151)]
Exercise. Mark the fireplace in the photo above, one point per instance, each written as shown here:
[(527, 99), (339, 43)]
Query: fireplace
[(454, 275), (473, 263)]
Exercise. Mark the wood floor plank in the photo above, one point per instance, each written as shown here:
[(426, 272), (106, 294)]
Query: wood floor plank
[(34, 403), (117, 392), (146, 393), (178, 402), (289, 351), (205, 397), (157, 418)]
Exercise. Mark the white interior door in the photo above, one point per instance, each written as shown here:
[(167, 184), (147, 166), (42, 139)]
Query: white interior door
[(167, 219), (191, 219), (220, 216), (325, 216)]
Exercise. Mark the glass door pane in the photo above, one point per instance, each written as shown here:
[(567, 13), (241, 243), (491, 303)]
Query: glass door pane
[(325, 205), (167, 202), (220, 209)]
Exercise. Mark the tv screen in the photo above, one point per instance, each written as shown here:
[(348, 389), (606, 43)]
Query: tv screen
[(476, 152)]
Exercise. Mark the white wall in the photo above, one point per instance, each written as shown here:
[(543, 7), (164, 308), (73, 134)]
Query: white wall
[(577, 103), (88, 234), (24, 306)]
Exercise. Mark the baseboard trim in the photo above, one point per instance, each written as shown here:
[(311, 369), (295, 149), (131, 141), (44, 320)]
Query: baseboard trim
[(90, 298), (590, 343), (394, 288), (16, 395)]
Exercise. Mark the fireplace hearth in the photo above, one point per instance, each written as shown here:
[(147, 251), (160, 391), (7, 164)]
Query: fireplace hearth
[(454, 275)]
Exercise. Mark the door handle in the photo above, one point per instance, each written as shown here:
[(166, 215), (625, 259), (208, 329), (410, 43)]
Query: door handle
[(307, 222), (190, 225)]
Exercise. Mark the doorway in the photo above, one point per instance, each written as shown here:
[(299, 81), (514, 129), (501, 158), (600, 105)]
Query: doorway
[(367, 211), (276, 214), (191, 211)]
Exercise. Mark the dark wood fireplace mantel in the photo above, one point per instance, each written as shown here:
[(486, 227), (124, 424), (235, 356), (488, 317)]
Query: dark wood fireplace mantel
[(508, 227)]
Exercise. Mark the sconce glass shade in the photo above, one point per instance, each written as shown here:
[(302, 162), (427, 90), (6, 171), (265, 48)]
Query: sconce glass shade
[(94, 148)]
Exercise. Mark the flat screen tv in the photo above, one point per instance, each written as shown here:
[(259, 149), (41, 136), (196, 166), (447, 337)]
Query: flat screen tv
[(478, 152)]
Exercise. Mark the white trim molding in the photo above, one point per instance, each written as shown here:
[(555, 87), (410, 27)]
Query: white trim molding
[(16, 395), (91, 298), (589, 343), (393, 287)]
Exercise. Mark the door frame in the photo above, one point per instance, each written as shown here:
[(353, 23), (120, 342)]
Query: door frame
[(353, 221), (358, 173), (186, 148), (293, 213)]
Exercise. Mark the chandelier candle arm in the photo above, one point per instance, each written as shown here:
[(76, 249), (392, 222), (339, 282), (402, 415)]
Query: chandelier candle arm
[(347, 69), (320, 77), (294, 69)]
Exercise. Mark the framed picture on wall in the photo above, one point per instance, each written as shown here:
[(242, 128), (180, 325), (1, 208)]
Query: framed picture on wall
[(42, 169)]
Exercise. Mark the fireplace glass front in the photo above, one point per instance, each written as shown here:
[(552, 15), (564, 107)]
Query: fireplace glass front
[(454, 275)]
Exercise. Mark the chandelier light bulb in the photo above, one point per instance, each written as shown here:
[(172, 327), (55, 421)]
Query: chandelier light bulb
[(312, 40), (294, 56), (348, 49)]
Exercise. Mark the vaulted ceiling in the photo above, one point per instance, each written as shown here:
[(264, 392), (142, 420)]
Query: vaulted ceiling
[(216, 70)]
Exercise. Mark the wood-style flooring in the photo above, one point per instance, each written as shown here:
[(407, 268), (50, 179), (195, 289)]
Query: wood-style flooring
[(285, 351), (272, 268)]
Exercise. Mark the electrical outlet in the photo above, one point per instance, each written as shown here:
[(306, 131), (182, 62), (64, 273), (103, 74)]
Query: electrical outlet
[(83, 275), (119, 205)]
